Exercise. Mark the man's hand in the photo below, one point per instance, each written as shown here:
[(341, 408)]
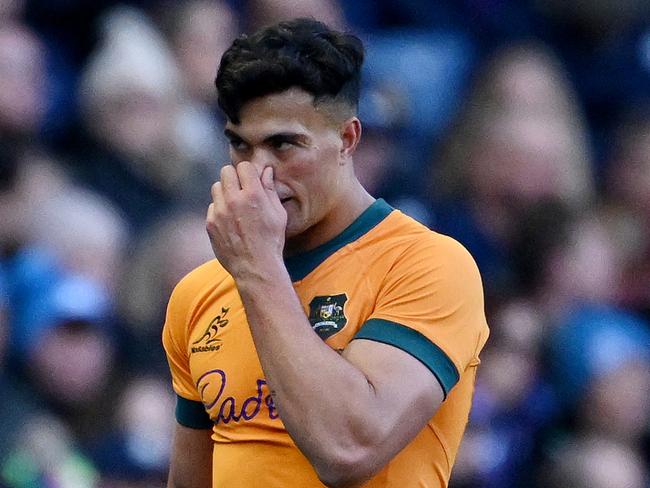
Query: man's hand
[(246, 221)]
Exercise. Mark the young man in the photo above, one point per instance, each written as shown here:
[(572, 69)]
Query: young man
[(334, 340)]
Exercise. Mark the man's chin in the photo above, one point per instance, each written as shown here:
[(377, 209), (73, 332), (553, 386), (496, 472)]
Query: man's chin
[(295, 226), (294, 223), (292, 231)]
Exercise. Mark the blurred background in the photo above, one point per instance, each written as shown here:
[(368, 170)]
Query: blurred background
[(519, 127)]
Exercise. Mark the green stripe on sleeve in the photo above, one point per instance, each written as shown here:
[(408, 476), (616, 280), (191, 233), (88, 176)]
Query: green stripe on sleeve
[(414, 343), (192, 414)]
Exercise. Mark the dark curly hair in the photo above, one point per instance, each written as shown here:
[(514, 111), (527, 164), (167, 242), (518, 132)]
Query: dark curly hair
[(301, 53)]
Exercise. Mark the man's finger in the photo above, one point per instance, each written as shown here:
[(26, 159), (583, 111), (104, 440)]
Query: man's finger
[(248, 175), (211, 222), (215, 190), (229, 180), (208, 217), (267, 179), (217, 195), (268, 183)]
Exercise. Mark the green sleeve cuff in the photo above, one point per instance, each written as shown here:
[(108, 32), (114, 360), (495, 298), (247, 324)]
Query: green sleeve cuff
[(416, 344), (192, 414)]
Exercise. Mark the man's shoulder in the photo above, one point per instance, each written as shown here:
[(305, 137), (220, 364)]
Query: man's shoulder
[(416, 238), (203, 277), (196, 288)]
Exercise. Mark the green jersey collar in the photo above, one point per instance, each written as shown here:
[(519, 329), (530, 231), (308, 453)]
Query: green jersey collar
[(300, 265)]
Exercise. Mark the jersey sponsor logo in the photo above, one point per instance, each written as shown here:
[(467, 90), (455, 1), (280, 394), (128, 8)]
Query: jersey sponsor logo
[(209, 341), (326, 314), (211, 386)]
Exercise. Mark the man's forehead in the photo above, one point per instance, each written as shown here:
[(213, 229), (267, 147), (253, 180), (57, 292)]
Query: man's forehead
[(290, 111)]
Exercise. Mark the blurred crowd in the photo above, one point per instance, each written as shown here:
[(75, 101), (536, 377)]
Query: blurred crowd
[(521, 128)]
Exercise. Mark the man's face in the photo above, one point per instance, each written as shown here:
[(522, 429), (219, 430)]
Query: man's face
[(303, 145)]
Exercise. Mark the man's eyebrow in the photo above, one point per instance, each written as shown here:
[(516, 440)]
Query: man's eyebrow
[(278, 136), (287, 136), (232, 135)]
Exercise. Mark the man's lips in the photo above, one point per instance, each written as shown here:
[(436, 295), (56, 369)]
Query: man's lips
[(285, 200)]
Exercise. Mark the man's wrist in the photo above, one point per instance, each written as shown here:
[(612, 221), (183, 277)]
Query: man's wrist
[(263, 278)]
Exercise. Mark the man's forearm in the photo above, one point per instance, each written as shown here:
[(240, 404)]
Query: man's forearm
[(325, 402)]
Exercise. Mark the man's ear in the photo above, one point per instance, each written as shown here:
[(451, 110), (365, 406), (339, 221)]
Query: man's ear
[(350, 137)]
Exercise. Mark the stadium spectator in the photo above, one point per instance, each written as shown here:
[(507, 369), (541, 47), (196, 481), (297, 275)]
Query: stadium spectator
[(159, 258), (132, 100), (23, 81), (627, 194), (200, 31), (600, 360), (509, 153), (261, 13), (135, 452)]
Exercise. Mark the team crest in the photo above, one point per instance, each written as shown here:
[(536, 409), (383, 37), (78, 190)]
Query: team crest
[(326, 314)]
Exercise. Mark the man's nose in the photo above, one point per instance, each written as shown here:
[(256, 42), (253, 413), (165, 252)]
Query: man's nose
[(261, 158)]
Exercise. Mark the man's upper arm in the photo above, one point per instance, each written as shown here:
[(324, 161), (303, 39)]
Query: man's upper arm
[(189, 408), (407, 393), (427, 328), (190, 412), (191, 459), (431, 307), (175, 339)]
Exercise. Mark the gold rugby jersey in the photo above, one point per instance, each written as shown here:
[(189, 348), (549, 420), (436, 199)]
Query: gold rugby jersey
[(385, 278)]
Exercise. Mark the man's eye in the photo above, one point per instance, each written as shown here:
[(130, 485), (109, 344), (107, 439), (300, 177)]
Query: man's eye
[(238, 145), (282, 145)]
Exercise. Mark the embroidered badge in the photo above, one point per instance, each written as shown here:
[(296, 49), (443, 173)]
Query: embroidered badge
[(327, 315)]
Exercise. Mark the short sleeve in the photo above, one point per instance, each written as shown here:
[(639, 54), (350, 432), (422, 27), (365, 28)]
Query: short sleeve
[(189, 408), (431, 305)]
